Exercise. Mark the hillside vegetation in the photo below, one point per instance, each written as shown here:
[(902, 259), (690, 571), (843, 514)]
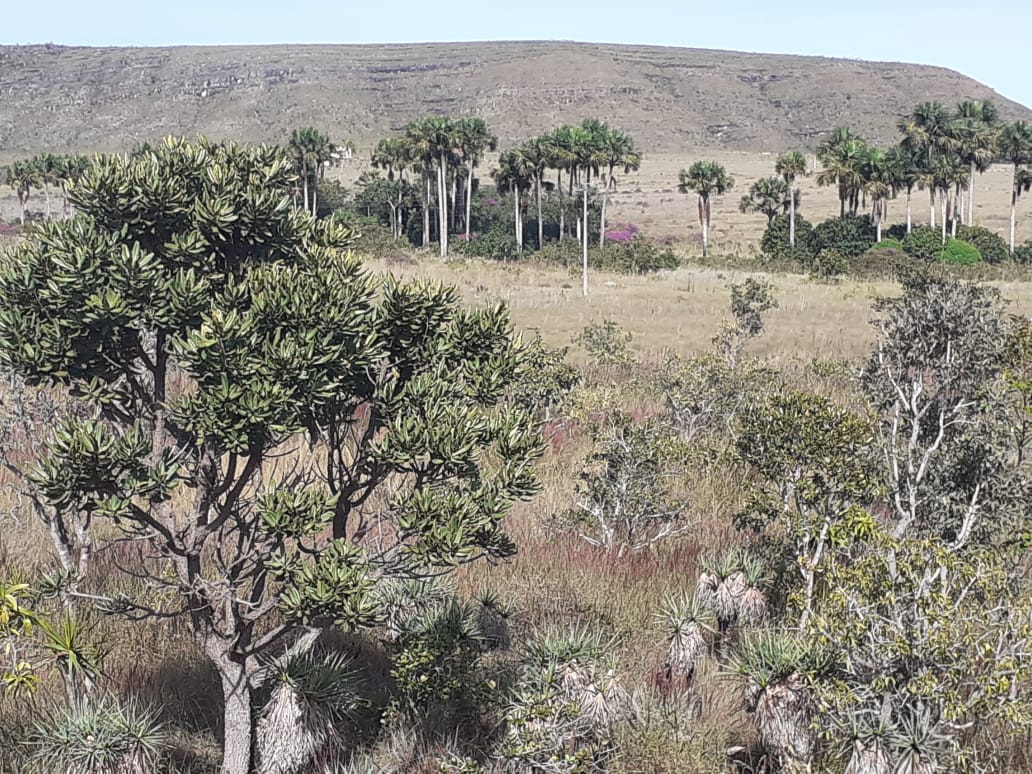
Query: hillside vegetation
[(60, 99)]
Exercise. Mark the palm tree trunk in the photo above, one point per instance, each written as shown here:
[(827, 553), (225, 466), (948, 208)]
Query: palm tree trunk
[(791, 215), (910, 219), (584, 248), (562, 211), (945, 195), (1014, 214), (304, 174), (541, 225), (442, 188), (469, 195), (516, 214), (602, 222), (704, 221), (971, 196), (931, 200), (426, 208)]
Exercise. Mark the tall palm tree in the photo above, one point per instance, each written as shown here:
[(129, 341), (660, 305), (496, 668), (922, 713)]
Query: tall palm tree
[(588, 155), (515, 173), (536, 153), (391, 155), (559, 147), (1016, 149), (905, 170), (311, 151), (705, 178), (22, 177), (842, 157), (790, 166), (975, 131), (928, 130), (474, 139), (434, 140), (878, 186), (769, 195), (617, 150)]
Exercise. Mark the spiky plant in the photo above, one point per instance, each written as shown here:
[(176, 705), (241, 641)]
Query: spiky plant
[(919, 744), (868, 757), (400, 600), (494, 622), (102, 736), (685, 621), (773, 666), (725, 578), (752, 604), (311, 696)]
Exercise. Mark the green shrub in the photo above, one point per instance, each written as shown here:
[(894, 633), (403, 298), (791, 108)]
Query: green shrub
[(1023, 253), (924, 242), (496, 245), (775, 243), (992, 247), (636, 256), (888, 243), (960, 253), (828, 264), (850, 237), (880, 261)]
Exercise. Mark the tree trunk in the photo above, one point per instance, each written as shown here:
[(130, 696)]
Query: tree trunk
[(516, 219), (541, 225), (442, 204), (971, 196), (704, 221), (304, 175), (910, 219), (562, 211), (469, 196), (931, 201), (585, 241), (426, 208), (1014, 218), (945, 196), (602, 223), (46, 195), (791, 215), (454, 199), (238, 722)]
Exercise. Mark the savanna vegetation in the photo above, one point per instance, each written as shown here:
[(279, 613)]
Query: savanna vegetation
[(301, 479)]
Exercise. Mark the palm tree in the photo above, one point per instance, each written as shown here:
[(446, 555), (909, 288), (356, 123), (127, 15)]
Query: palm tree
[(904, 167), (1016, 149), (474, 139), (587, 142), (559, 148), (842, 156), (311, 151), (975, 130), (770, 195), (928, 130), (22, 177), (515, 173), (434, 139), (878, 185), (790, 166), (617, 150), (705, 178), (536, 153)]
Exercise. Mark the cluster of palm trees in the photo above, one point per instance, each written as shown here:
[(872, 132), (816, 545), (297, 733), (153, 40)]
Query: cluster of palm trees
[(43, 172), (588, 155), (443, 153), (940, 151), (312, 152)]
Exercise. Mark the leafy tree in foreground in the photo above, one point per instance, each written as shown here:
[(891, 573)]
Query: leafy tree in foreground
[(705, 178), (279, 429)]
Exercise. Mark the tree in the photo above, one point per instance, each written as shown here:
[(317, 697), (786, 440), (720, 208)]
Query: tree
[(975, 129), (536, 154), (790, 166), (1016, 149), (515, 173), (769, 195), (616, 149), (705, 178), (586, 151), (928, 132), (842, 156), (311, 151), (904, 168), (473, 139), (318, 410), (21, 177), (434, 140)]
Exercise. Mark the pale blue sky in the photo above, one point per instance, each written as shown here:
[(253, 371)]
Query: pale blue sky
[(925, 31)]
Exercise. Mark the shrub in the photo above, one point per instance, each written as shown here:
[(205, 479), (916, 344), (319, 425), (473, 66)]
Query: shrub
[(990, 245), (636, 255), (888, 243), (1023, 253), (828, 265), (544, 381), (960, 253), (923, 242), (775, 244), (496, 245), (850, 237), (880, 261)]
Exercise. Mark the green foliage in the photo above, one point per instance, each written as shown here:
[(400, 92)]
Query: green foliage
[(606, 344), (494, 244), (990, 245), (544, 380), (960, 253), (102, 736), (924, 243), (828, 264), (881, 262), (850, 236), (627, 495), (888, 243), (775, 241), (636, 256)]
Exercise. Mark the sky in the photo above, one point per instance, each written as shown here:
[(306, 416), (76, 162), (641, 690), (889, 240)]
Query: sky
[(923, 31)]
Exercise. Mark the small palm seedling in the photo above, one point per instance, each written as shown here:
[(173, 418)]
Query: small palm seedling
[(103, 736), (685, 621), (311, 696), (774, 667), (863, 740), (919, 745)]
